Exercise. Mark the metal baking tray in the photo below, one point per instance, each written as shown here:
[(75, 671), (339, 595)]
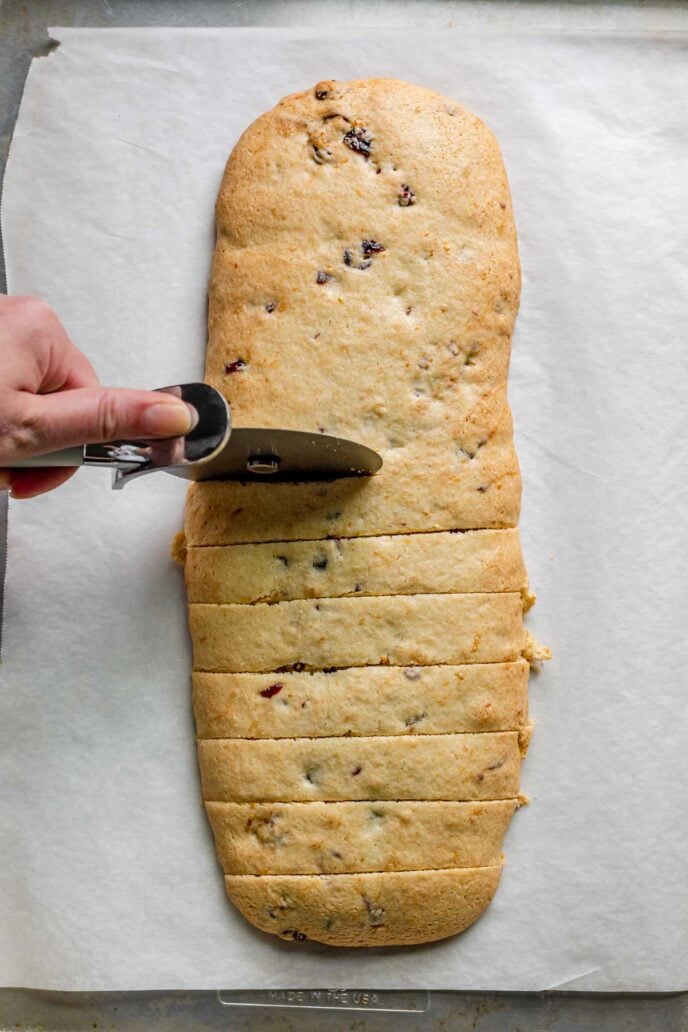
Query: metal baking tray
[(24, 36)]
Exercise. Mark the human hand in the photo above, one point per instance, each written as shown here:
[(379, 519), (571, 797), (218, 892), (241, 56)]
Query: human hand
[(51, 398)]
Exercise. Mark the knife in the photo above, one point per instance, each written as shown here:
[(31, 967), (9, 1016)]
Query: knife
[(215, 450)]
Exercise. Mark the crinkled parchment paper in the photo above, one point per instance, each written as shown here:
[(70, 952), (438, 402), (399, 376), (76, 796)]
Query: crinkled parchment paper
[(107, 874)]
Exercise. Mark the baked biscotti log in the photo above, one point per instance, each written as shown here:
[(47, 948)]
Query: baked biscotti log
[(386, 700), (354, 655)]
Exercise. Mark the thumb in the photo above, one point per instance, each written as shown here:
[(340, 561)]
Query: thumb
[(92, 415)]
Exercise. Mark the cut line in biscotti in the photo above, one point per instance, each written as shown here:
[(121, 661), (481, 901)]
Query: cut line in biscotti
[(452, 767), (383, 909), (405, 564), (363, 701), (351, 837), (339, 632)]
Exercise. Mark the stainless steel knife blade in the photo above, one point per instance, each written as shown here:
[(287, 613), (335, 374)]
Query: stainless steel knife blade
[(253, 453)]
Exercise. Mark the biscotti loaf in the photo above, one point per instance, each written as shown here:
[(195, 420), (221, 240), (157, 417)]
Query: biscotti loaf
[(359, 684)]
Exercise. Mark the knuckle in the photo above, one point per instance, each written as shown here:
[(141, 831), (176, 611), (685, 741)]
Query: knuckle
[(30, 319), (108, 415), (34, 309), (19, 434)]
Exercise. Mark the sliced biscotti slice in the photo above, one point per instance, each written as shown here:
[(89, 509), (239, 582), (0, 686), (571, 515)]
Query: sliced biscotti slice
[(338, 632), (348, 837), (458, 497), (474, 485), (453, 767), (404, 564), (364, 701), (384, 909)]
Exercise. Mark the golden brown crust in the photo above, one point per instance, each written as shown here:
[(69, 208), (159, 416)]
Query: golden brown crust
[(366, 701), (385, 909)]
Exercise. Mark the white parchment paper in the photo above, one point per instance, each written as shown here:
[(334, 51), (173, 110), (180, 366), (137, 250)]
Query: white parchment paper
[(107, 873)]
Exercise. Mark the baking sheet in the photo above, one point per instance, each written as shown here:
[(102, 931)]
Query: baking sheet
[(107, 874)]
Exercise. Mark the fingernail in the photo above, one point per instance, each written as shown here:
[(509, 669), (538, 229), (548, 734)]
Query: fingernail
[(169, 419)]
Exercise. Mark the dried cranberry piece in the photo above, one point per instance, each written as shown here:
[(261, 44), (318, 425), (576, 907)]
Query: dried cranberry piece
[(371, 247), (236, 366), (273, 689), (359, 140), (323, 277), (406, 196)]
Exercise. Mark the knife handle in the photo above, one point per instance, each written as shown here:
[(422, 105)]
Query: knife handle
[(64, 457)]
